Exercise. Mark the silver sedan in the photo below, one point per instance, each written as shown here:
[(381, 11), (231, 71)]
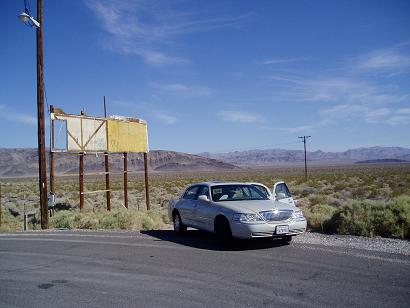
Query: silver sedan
[(238, 210)]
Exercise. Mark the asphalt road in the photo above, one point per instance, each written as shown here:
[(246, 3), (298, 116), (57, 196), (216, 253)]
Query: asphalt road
[(161, 269)]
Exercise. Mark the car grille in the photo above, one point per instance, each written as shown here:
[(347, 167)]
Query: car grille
[(276, 215)]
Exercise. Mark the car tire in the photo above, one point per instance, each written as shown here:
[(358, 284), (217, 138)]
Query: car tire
[(287, 239), (223, 229), (179, 227)]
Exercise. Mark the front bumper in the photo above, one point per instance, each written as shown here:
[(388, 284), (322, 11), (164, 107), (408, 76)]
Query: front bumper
[(260, 230)]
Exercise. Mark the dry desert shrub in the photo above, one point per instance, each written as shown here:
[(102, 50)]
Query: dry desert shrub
[(318, 216), (115, 219), (373, 218)]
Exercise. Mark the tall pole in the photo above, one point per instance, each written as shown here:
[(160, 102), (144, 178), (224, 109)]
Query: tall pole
[(51, 152), (81, 180), (126, 179), (146, 181), (40, 117), (105, 108), (0, 204), (107, 181), (304, 144)]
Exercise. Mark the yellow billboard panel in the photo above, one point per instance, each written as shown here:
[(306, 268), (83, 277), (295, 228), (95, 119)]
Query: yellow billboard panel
[(127, 136)]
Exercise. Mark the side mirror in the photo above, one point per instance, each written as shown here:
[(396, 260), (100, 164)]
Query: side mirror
[(280, 196), (203, 198)]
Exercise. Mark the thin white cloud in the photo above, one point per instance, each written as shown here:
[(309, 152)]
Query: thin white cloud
[(280, 61), (377, 115), (12, 116), (335, 90), (145, 28), (298, 129), (367, 114), (147, 109), (158, 58), (239, 116), (388, 59), (348, 93), (306, 128), (398, 120), (166, 119), (403, 111), (184, 89)]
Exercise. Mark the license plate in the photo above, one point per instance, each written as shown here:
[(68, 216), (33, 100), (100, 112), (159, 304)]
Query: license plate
[(282, 229)]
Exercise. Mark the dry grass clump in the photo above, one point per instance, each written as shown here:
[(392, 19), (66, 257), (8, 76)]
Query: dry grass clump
[(318, 216), (116, 219), (9, 223)]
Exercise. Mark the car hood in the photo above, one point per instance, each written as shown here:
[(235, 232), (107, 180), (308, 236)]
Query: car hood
[(255, 206)]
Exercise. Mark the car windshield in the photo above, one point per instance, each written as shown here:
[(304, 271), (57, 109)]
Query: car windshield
[(262, 189), (236, 193)]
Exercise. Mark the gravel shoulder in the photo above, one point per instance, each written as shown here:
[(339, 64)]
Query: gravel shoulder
[(377, 244)]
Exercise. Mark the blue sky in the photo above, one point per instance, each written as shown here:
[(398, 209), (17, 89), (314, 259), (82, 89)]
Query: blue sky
[(217, 75)]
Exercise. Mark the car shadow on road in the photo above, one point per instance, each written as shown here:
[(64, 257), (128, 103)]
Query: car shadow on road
[(204, 240)]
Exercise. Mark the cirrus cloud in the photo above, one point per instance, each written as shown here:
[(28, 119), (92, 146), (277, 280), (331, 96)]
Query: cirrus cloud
[(240, 117)]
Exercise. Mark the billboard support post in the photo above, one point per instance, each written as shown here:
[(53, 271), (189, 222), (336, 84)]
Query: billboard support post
[(81, 178), (146, 181), (107, 181), (126, 180)]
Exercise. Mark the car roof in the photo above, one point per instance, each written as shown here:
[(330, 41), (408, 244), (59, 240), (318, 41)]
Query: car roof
[(214, 183)]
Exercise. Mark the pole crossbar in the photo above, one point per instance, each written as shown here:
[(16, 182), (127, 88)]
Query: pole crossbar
[(84, 174)]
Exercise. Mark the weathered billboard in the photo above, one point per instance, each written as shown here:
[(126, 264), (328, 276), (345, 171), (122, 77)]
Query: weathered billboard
[(93, 134)]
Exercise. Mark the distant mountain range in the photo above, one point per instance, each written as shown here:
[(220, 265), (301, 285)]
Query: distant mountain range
[(286, 157), (23, 161)]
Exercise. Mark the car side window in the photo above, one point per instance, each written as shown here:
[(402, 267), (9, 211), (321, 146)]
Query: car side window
[(191, 193), (283, 189), (204, 190)]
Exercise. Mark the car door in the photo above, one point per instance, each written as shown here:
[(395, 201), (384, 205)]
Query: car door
[(187, 204), (282, 194), (204, 212)]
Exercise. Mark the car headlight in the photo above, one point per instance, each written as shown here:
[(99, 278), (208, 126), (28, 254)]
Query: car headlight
[(297, 214), (247, 218)]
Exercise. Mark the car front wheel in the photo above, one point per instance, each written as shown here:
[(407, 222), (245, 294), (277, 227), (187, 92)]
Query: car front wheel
[(223, 229), (287, 239), (178, 226)]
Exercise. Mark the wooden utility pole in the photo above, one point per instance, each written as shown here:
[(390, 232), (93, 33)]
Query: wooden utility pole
[(146, 181), (40, 120), (126, 180), (304, 143), (107, 182)]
